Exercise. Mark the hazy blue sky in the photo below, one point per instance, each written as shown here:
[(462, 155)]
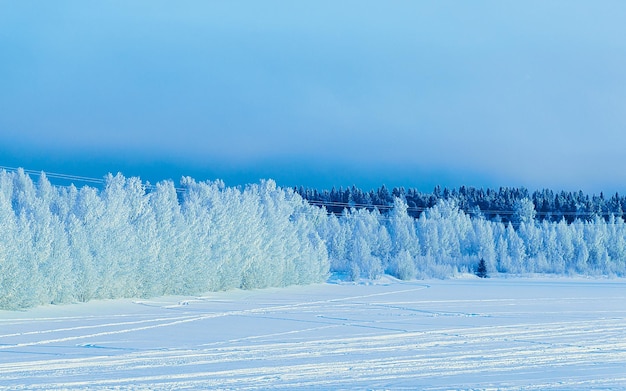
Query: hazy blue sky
[(319, 93)]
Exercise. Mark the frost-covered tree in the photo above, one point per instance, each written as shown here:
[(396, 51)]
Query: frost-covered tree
[(335, 236), (402, 266), (118, 248), (596, 237), (172, 240), (616, 231), (363, 246), (445, 234), (12, 271), (484, 243), (524, 212), (87, 242), (205, 220), (504, 260), (579, 264), (401, 228), (565, 248)]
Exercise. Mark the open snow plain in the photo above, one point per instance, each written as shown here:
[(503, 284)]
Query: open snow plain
[(541, 333)]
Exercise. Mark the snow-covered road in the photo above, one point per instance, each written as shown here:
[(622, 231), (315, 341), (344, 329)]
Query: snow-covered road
[(429, 335)]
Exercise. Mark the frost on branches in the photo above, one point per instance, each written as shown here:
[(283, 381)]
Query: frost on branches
[(64, 244), (60, 245)]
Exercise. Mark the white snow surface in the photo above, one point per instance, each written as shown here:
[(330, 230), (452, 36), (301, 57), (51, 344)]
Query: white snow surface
[(479, 334)]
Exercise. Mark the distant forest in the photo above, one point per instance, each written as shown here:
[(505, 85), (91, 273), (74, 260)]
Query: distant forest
[(495, 205)]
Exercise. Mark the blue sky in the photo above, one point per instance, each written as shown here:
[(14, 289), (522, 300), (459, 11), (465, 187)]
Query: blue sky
[(320, 94)]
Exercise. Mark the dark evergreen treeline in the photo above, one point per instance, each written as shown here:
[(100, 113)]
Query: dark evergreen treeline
[(496, 205)]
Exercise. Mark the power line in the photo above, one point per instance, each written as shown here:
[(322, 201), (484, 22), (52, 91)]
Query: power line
[(73, 178), (320, 203), (56, 175), (492, 212)]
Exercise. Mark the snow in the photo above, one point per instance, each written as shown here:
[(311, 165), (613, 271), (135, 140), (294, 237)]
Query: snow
[(466, 333)]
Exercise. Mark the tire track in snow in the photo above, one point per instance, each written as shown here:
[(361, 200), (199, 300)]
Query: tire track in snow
[(343, 361), (533, 354), (174, 321)]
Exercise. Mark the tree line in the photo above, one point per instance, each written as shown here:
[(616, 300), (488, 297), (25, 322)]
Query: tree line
[(67, 244), (126, 239), (495, 205)]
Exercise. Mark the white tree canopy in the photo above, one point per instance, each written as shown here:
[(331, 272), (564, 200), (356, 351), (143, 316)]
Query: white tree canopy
[(60, 245)]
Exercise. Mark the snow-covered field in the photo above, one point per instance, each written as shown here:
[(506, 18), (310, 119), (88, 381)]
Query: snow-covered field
[(540, 333)]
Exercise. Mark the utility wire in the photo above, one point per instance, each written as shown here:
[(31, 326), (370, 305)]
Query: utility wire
[(56, 175), (503, 212), (320, 203), (75, 178)]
